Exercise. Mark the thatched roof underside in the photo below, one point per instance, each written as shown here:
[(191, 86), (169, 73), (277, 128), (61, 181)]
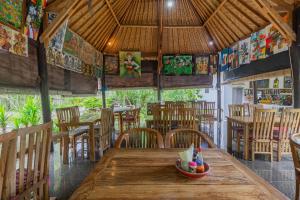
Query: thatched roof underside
[(187, 27)]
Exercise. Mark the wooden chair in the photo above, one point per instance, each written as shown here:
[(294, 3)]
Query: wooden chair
[(207, 118), (295, 149), (141, 138), (237, 110), (289, 124), (186, 118), (69, 121), (162, 120), (183, 138), (263, 125), (199, 107), (251, 108), (131, 119), (24, 163)]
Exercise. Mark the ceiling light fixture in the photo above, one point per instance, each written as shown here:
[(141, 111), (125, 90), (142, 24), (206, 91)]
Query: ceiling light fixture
[(109, 43), (170, 4), (211, 43)]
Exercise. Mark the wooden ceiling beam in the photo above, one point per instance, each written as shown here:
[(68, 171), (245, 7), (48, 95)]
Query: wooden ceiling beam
[(112, 12), (160, 34), (165, 27), (68, 10), (276, 19), (55, 6), (215, 12)]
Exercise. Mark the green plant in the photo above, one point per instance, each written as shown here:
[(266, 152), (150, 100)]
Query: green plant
[(3, 117), (30, 113), (17, 122), (92, 102)]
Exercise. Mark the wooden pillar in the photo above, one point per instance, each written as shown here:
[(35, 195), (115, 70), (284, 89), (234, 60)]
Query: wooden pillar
[(295, 59), (103, 85), (219, 107), (43, 75), (158, 88)]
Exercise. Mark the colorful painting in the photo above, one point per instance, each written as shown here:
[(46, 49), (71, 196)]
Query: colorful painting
[(11, 13), (111, 65), (5, 38), (233, 57), (87, 53), (202, 65), (71, 43), (34, 18), (130, 64), (19, 44), (275, 43), (244, 51), (57, 42), (258, 45), (224, 59), (72, 63), (213, 63), (178, 65)]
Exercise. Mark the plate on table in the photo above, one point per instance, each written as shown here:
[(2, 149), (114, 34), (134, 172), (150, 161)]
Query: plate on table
[(192, 175)]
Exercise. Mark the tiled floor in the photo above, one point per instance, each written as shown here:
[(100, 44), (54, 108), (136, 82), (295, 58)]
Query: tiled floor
[(64, 179)]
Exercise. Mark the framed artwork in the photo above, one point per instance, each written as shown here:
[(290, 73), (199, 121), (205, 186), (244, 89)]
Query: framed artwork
[(111, 65), (178, 65), (275, 43), (244, 51), (11, 13), (34, 18), (72, 63), (130, 64), (258, 45), (50, 56), (98, 58), (288, 81), (233, 57), (87, 53), (224, 59), (202, 65), (19, 44), (263, 83), (71, 43), (57, 42), (213, 63), (5, 38)]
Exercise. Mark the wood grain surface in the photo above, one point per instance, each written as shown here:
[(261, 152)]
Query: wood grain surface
[(151, 174)]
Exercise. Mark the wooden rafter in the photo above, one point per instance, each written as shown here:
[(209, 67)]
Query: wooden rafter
[(59, 20), (56, 6), (276, 19), (157, 26), (215, 12), (112, 12), (160, 34)]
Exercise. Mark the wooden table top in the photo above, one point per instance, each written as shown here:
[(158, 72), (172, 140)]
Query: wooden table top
[(151, 174), (247, 119)]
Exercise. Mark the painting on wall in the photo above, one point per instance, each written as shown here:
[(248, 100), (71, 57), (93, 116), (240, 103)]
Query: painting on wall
[(244, 51), (258, 45), (202, 65), (130, 64), (233, 57), (98, 58), (5, 38), (57, 42), (34, 18), (111, 65), (19, 44), (71, 43), (224, 59), (287, 82), (72, 63), (87, 53), (275, 43), (11, 13), (178, 65), (213, 63)]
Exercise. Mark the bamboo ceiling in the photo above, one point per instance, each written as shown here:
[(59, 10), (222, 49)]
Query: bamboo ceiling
[(153, 26)]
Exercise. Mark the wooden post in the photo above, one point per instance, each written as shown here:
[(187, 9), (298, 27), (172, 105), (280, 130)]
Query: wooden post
[(103, 85), (158, 88), (255, 99), (219, 106), (295, 59), (43, 75)]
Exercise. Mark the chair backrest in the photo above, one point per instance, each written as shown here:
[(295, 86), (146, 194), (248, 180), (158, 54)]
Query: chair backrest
[(187, 118), (24, 161), (69, 115), (151, 106), (289, 123), (295, 148), (199, 106), (106, 126), (252, 107), (162, 119), (263, 124), (183, 138), (134, 115), (236, 110), (209, 108), (141, 138)]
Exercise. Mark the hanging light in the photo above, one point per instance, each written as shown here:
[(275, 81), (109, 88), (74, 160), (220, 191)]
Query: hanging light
[(170, 4), (210, 43)]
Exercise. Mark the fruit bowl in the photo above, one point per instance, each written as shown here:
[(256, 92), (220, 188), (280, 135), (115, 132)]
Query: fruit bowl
[(192, 175)]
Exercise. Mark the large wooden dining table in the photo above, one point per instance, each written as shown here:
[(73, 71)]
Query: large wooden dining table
[(151, 174), (247, 123)]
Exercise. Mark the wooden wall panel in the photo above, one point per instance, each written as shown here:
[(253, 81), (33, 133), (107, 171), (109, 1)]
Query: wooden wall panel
[(114, 81), (19, 71), (56, 78), (81, 84), (186, 81)]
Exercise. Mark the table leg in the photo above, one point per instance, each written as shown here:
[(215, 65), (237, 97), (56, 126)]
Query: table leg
[(246, 142), (92, 142), (229, 136), (66, 142)]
